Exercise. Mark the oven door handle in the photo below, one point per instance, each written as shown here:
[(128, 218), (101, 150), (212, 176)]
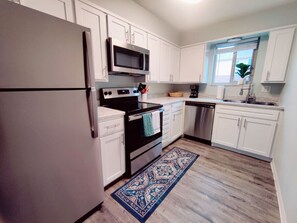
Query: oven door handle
[(139, 116)]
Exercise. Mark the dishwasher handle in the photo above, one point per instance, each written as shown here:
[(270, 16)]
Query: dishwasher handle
[(200, 104)]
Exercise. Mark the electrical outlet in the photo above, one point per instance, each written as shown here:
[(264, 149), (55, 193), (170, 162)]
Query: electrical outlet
[(266, 89)]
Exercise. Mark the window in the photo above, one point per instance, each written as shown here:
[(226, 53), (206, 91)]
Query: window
[(228, 55)]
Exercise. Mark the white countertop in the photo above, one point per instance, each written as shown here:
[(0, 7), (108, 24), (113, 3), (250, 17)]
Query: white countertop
[(105, 114), (170, 100)]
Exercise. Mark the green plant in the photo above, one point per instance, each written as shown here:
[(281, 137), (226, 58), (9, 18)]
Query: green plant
[(243, 70)]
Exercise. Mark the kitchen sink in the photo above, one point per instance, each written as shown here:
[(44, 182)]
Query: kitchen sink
[(251, 102)]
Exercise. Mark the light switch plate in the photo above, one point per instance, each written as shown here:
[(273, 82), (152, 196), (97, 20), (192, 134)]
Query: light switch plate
[(266, 89)]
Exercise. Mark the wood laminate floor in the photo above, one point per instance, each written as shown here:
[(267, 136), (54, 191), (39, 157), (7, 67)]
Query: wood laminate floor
[(221, 186)]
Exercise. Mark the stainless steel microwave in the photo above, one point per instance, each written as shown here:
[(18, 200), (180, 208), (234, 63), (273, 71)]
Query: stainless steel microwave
[(127, 58)]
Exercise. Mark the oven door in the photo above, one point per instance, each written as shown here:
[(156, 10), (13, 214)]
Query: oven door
[(127, 58), (135, 137)]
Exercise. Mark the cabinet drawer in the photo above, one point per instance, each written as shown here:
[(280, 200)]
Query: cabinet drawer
[(166, 118), (110, 127), (260, 113), (177, 106), (166, 109)]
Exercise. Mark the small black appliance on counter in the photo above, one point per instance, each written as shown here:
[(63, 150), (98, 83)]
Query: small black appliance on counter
[(194, 91)]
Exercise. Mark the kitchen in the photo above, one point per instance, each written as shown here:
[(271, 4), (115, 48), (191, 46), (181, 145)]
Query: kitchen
[(135, 16)]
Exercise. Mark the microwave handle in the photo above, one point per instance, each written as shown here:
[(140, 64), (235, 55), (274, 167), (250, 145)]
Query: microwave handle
[(144, 61)]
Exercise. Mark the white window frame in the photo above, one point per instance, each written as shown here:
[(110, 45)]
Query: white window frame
[(251, 43)]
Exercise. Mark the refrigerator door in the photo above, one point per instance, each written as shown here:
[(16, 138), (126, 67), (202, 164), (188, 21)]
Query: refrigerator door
[(38, 50), (50, 165)]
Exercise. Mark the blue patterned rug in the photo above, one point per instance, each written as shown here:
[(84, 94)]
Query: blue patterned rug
[(144, 193)]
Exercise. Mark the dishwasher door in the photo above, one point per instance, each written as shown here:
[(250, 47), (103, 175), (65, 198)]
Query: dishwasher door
[(199, 120)]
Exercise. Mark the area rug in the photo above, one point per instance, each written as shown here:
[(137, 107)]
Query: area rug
[(144, 193)]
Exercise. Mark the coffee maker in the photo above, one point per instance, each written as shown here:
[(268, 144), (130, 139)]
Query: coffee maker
[(194, 91)]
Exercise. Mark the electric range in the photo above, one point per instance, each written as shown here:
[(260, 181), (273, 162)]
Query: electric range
[(140, 150)]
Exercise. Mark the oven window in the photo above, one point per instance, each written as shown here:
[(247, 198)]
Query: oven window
[(135, 134), (128, 58)]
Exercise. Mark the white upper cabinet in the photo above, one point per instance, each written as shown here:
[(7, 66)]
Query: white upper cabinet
[(118, 29), (175, 63), (91, 17), (62, 9), (165, 59), (122, 31), (192, 63), (153, 45), (277, 56), (138, 37)]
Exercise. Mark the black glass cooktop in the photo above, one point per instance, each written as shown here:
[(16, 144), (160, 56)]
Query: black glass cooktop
[(134, 107)]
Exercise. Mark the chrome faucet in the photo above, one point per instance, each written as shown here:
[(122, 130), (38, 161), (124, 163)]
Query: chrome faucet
[(250, 98)]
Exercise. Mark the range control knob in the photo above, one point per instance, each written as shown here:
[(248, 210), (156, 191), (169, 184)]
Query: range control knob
[(109, 93), (105, 93), (135, 91)]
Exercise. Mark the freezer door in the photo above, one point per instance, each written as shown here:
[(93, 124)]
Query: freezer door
[(50, 165), (38, 50)]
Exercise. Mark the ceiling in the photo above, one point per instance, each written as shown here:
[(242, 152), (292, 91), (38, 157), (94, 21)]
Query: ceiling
[(184, 16)]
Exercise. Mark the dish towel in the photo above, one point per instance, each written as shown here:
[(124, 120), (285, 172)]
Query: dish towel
[(147, 125), (156, 121)]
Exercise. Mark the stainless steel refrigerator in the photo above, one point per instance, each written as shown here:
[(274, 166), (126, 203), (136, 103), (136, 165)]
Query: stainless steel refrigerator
[(50, 162)]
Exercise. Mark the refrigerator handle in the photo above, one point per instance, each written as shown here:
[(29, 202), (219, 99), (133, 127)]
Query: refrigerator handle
[(90, 83)]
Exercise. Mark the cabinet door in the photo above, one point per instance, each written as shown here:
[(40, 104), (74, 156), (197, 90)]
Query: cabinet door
[(113, 157), (257, 136), (176, 124), (277, 55), (165, 62), (118, 29), (175, 59), (226, 129), (138, 37), (192, 64), (154, 48), (62, 9), (88, 16)]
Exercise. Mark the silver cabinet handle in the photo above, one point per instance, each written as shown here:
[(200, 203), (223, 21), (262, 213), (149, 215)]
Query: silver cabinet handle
[(127, 35), (238, 122), (268, 76), (244, 125), (90, 84), (133, 38), (112, 126)]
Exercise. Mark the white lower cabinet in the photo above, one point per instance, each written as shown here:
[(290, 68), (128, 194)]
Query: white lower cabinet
[(226, 129), (250, 130), (257, 136), (173, 122), (112, 145)]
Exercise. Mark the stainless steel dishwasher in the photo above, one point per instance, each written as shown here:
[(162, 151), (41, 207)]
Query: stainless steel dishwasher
[(199, 121)]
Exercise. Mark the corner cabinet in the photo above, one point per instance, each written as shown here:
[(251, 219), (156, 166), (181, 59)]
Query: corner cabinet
[(91, 17), (245, 129), (277, 56), (169, 62), (125, 32), (153, 45), (62, 9), (192, 64), (112, 147)]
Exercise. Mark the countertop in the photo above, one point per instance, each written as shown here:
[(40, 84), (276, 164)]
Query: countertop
[(170, 100), (105, 114)]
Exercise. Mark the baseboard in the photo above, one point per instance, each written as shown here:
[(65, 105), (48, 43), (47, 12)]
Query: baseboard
[(279, 194)]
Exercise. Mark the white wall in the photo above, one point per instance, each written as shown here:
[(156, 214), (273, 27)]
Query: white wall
[(285, 150), (276, 17), (137, 14)]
